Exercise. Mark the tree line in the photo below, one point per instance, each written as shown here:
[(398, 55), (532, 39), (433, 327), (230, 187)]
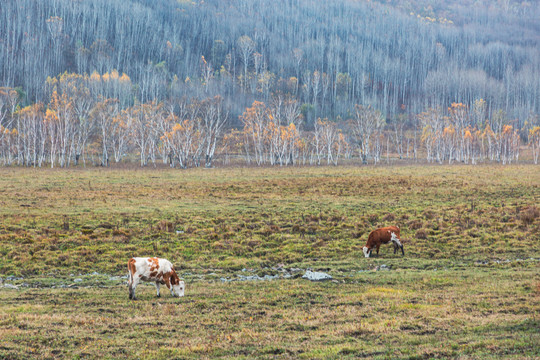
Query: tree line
[(92, 120)]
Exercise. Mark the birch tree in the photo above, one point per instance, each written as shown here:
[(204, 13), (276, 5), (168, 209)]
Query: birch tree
[(365, 122), (214, 118)]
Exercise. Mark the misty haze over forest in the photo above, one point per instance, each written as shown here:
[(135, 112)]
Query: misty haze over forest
[(399, 57)]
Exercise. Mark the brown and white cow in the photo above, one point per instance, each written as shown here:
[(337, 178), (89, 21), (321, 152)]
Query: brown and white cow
[(383, 236), (159, 271)]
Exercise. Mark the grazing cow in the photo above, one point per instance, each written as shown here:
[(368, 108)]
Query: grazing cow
[(160, 271), (383, 236)]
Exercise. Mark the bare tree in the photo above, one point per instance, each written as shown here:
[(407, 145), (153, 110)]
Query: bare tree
[(365, 122), (246, 47)]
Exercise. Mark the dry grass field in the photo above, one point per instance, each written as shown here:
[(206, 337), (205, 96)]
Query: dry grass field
[(468, 286)]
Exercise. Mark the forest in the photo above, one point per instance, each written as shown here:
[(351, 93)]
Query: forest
[(189, 83)]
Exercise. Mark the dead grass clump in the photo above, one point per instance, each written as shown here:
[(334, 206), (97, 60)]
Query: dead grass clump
[(228, 235), (268, 230), (336, 218), (357, 332), (312, 230), (319, 243), (252, 226), (389, 217), (119, 232), (219, 245), (414, 224), (529, 214), (373, 218), (123, 239), (421, 234), (253, 243), (166, 226), (297, 229), (429, 214)]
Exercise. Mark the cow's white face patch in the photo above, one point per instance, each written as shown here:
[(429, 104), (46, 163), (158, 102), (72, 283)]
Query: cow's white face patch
[(366, 251), (395, 239), (179, 289)]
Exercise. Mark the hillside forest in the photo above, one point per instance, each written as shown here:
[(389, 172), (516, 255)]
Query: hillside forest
[(200, 83)]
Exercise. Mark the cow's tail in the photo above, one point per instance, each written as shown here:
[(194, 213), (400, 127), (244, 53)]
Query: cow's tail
[(130, 275)]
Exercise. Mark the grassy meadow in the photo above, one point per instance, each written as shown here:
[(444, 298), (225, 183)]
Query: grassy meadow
[(468, 286)]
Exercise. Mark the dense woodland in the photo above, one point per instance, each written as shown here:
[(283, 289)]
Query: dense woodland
[(276, 82)]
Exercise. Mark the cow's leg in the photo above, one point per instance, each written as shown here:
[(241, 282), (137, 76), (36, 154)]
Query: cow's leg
[(402, 251), (157, 288), (130, 282), (378, 246), (397, 247), (132, 287)]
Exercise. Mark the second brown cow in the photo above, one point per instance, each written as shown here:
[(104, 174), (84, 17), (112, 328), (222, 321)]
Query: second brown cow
[(383, 235)]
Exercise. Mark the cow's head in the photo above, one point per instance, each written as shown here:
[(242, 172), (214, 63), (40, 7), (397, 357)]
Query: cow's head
[(177, 285), (397, 242), (367, 251), (179, 289)]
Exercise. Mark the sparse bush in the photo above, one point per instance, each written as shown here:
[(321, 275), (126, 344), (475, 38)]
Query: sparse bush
[(529, 214), (421, 234)]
